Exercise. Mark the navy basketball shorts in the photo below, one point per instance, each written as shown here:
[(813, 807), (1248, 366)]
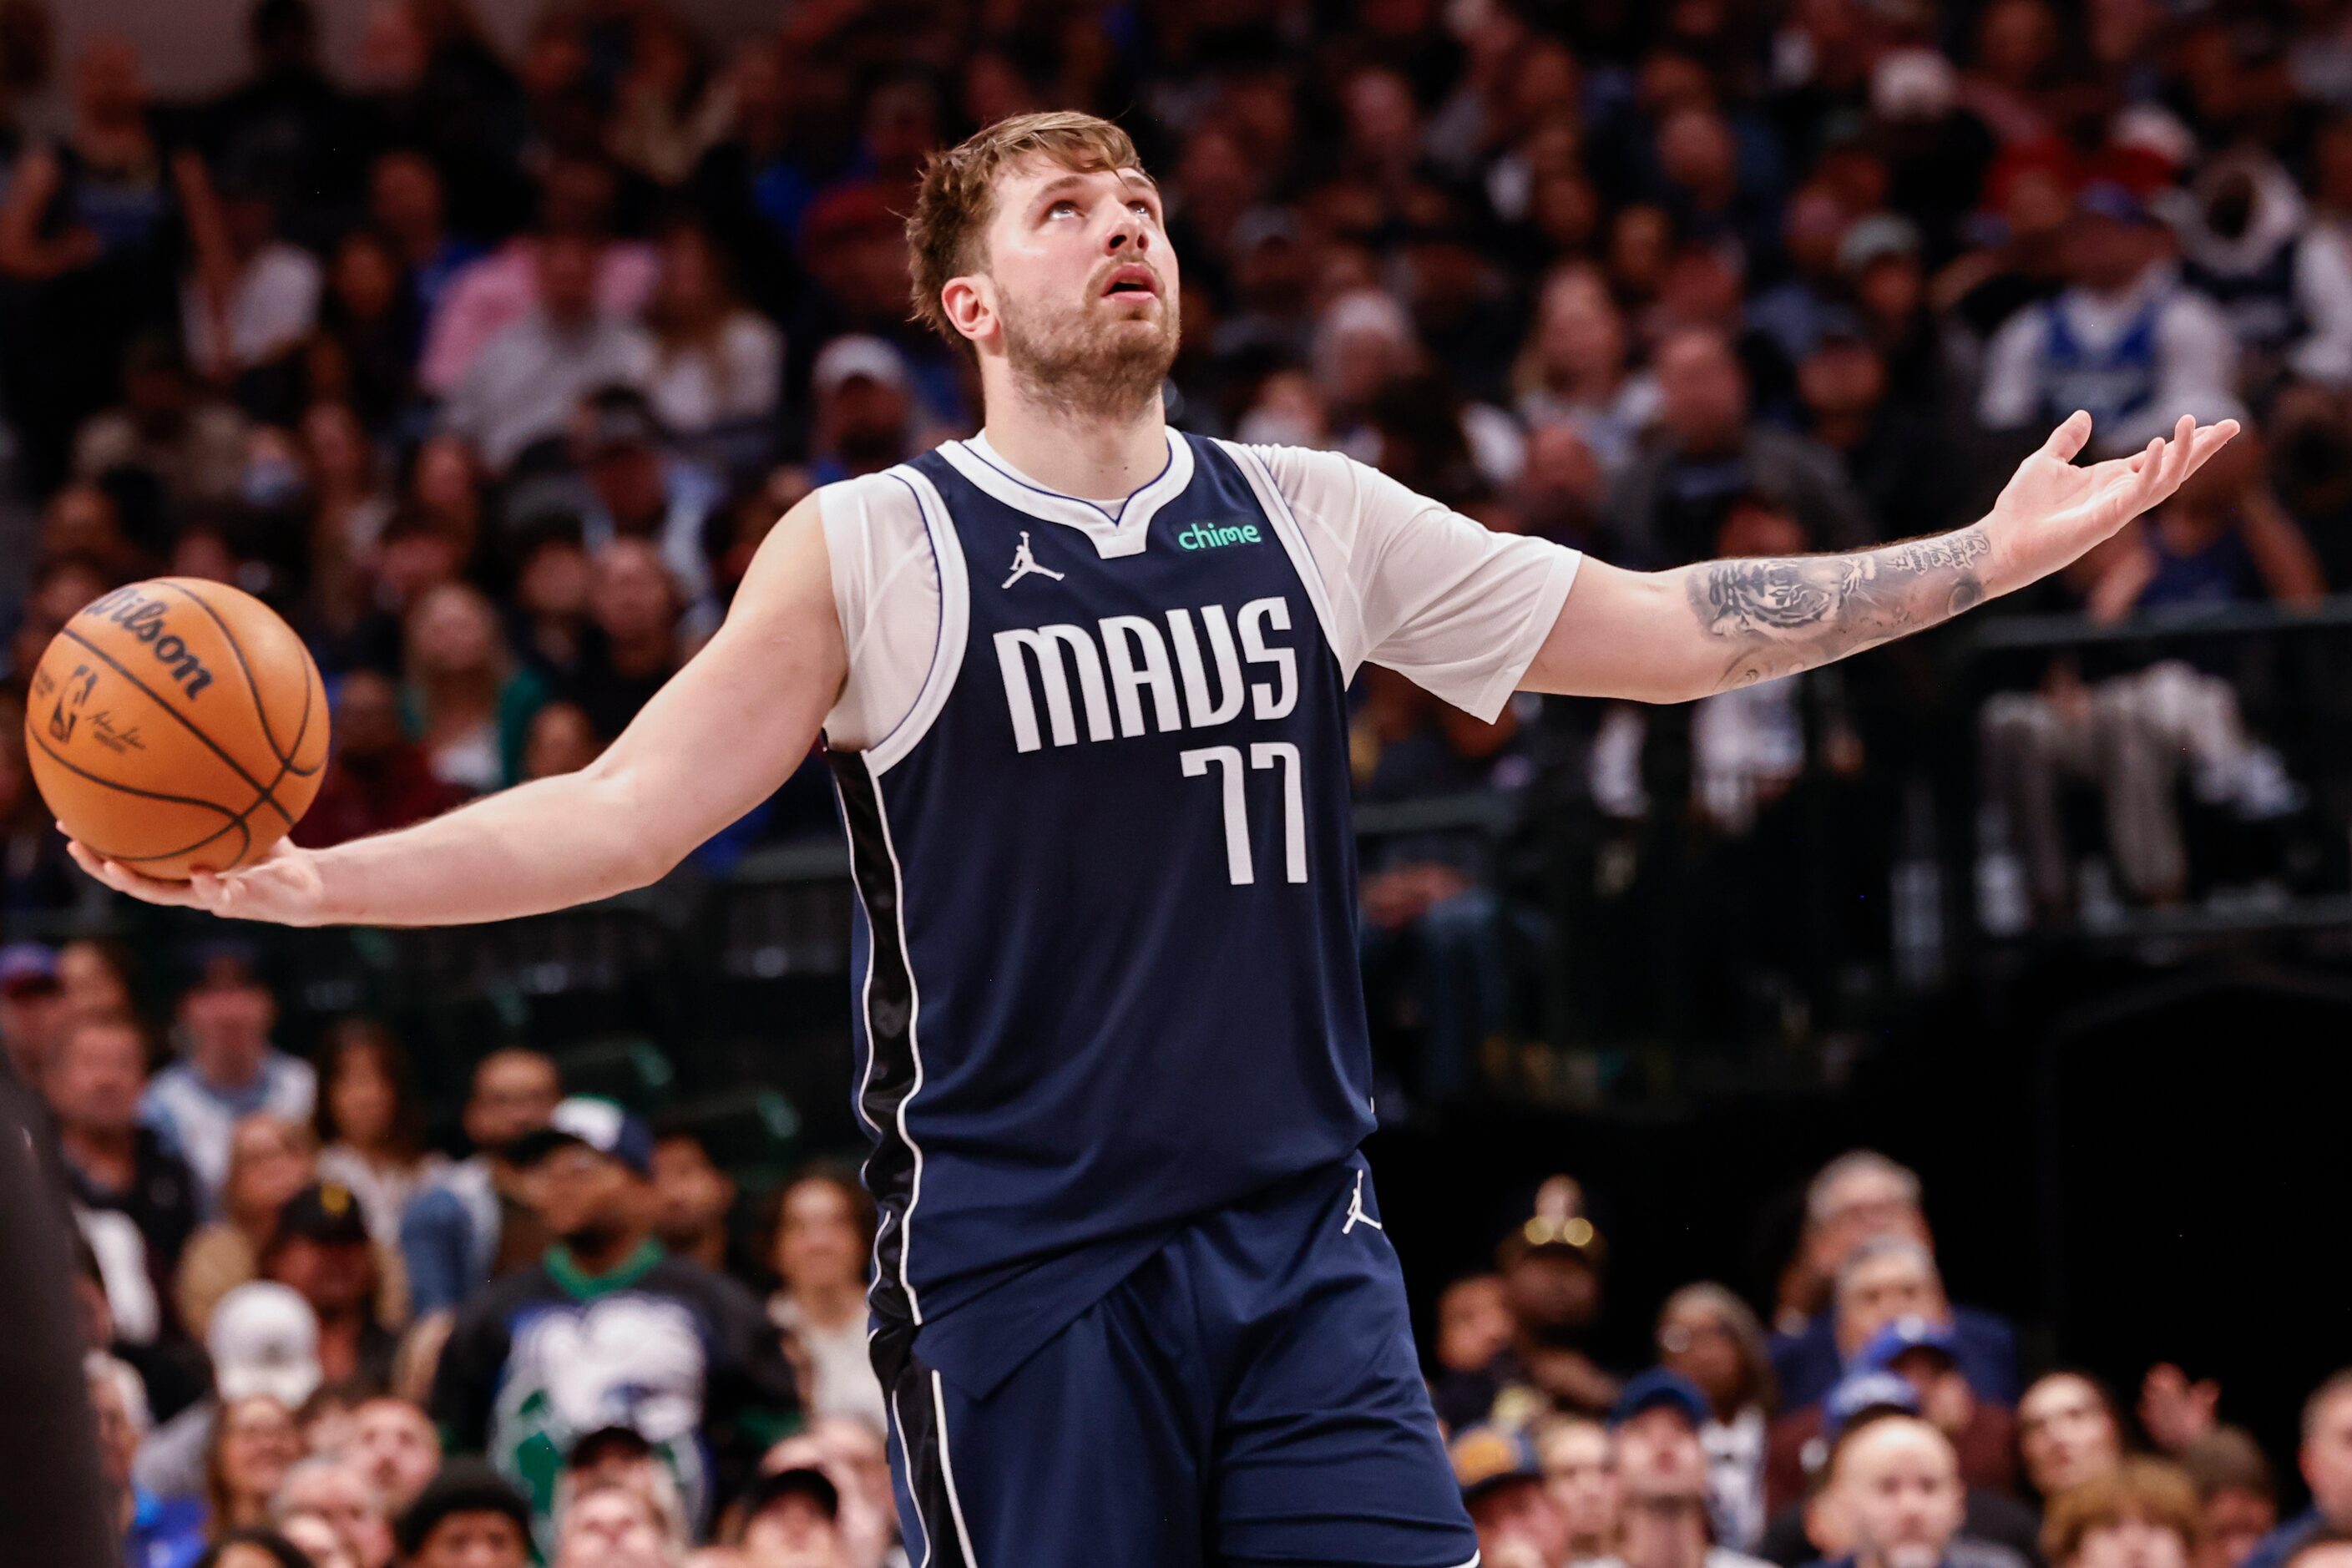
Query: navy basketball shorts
[(1249, 1396)]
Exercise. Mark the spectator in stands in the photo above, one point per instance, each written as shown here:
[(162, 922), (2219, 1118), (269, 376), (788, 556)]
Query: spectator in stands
[(1662, 1476), (620, 1457), (137, 1198), (561, 741), (525, 383), (640, 487), (2237, 1502), (2126, 340), (408, 205), (338, 1490), (252, 298), (718, 366), (271, 1158), (792, 1520), (1855, 1197), (822, 1237), (1708, 1335), (364, 353), (252, 1446), (1502, 1483), (168, 427), (94, 977), (229, 1070), (396, 1445), (469, 1223), (263, 1341), (1474, 1324), (468, 703), (377, 779), (502, 290), (467, 1517), (1575, 370), (2327, 1462), (155, 1533), (684, 1355), (2068, 1433), (1579, 1466), (321, 1248), (692, 1198), (1917, 1348), (89, 230), (863, 409), (370, 1124), (633, 647), (32, 1008), (612, 1526), (1895, 1486), (2141, 1514), (1551, 1267), (549, 618), (2284, 285), (1669, 502)]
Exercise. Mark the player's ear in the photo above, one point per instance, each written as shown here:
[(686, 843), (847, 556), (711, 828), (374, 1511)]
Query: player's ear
[(969, 302)]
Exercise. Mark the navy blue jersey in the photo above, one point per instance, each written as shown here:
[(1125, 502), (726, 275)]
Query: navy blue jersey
[(1105, 936)]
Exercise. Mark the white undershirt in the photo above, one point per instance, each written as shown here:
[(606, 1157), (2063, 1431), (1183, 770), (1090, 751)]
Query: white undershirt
[(1413, 585)]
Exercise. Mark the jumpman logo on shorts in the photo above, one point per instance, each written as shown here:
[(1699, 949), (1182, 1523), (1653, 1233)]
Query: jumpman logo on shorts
[(1356, 1214), (1024, 563)]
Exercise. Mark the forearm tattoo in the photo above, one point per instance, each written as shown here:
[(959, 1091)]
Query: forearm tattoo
[(1777, 615)]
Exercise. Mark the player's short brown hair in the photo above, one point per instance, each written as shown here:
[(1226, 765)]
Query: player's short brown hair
[(956, 198), (2150, 1490)]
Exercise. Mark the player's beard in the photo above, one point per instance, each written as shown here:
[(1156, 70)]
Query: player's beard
[(1085, 361)]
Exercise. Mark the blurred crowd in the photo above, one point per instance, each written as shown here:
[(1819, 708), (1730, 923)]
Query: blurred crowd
[(315, 1343), (490, 367), (1871, 1422)]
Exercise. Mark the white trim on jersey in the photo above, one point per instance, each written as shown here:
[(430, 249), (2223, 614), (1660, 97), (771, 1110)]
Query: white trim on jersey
[(955, 625), (947, 1473), (1114, 533), (1276, 506), (914, 1049), (906, 1465)]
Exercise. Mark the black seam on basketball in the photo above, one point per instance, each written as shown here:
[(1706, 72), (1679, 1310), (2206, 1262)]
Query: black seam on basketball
[(187, 723), (302, 729), (252, 686), (242, 849), (237, 819)]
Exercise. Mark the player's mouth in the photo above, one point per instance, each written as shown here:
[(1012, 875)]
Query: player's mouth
[(1134, 277)]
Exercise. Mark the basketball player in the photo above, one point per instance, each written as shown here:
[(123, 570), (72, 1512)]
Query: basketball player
[(1082, 682)]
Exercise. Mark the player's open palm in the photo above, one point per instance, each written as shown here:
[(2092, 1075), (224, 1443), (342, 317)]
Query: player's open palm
[(2052, 511), (282, 886)]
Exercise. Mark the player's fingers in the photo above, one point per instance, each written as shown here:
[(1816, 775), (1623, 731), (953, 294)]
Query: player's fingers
[(2072, 434), (2211, 440), (123, 880), (2177, 450)]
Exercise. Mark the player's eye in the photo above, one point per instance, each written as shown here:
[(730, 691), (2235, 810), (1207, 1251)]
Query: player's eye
[(1144, 208), (1064, 206)]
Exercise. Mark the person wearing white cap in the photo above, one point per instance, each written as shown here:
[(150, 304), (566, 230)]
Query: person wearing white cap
[(264, 1341), (864, 408)]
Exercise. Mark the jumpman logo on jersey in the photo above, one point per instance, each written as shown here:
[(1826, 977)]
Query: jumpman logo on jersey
[(1356, 1214), (1024, 563)]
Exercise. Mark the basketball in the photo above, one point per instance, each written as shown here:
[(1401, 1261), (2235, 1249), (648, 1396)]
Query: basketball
[(178, 725)]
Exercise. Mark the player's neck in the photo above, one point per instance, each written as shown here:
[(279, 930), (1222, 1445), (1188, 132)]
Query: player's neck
[(1095, 456)]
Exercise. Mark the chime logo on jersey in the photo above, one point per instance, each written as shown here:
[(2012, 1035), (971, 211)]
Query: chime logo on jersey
[(1130, 668), (1209, 535)]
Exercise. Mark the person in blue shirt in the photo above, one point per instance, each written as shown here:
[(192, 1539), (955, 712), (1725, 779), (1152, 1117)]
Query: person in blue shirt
[(1857, 1196), (157, 1532)]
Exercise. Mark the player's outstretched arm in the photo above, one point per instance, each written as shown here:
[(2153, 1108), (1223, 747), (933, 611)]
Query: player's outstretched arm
[(715, 742), (1671, 636)]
